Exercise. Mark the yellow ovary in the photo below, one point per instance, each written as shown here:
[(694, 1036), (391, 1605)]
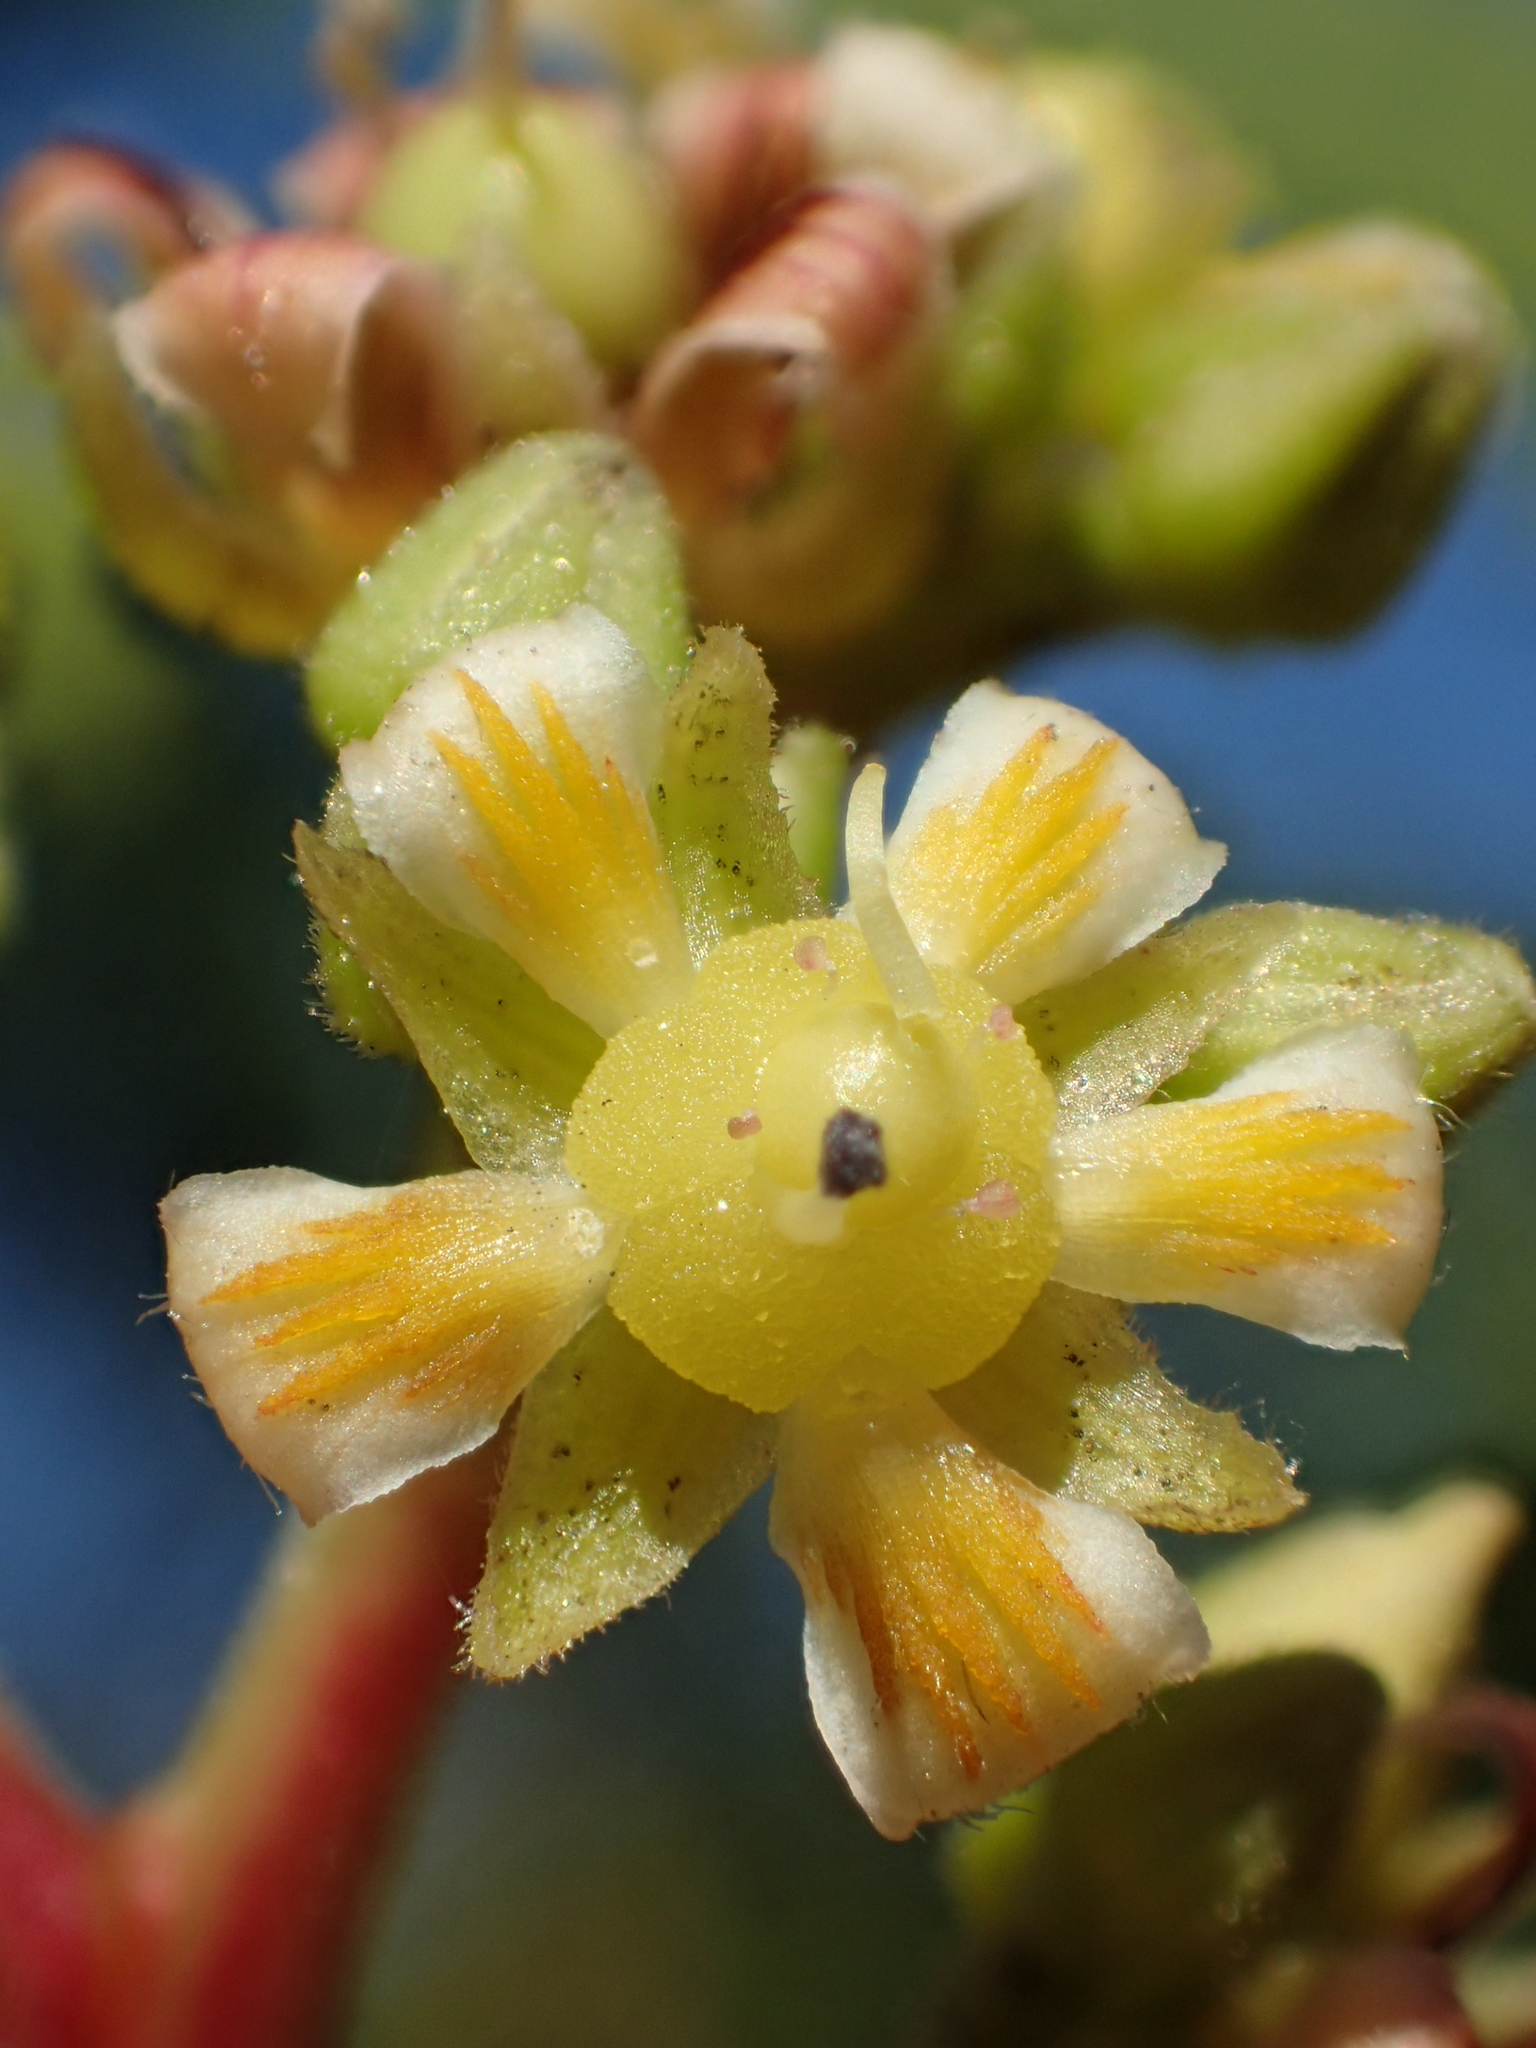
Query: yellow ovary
[(436, 1292), (740, 1273), (1004, 875), (1241, 1183), (578, 870)]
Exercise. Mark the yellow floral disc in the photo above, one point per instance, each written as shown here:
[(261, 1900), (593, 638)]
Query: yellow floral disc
[(810, 1177)]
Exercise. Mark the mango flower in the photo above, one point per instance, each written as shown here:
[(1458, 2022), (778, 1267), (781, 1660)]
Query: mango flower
[(755, 1186)]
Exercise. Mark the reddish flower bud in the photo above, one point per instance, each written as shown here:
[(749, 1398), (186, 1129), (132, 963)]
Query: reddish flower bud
[(791, 423), (85, 226), (738, 147), (263, 422)]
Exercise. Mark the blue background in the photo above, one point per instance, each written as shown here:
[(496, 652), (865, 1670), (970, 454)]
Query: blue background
[(647, 1845)]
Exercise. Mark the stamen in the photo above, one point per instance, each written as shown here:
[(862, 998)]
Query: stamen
[(901, 967), (1002, 1023)]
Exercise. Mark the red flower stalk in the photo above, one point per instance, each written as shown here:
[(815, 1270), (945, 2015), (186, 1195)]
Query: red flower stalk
[(221, 1907)]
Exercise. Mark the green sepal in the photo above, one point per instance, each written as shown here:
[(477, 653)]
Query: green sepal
[(1191, 1007), (557, 520), (620, 1472), (506, 1060), (725, 837), (1465, 998), (1110, 1040), (810, 771), (1171, 1848), (1076, 1403)]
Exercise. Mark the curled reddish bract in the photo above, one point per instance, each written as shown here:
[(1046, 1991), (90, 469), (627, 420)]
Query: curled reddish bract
[(816, 317), (85, 226), (737, 145), (306, 349), (262, 422), (793, 423)]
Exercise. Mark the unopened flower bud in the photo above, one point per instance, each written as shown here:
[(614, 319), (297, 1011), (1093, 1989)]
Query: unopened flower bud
[(737, 147), (1157, 188), (794, 427), (560, 519), (945, 126), (262, 422), (552, 177), (86, 227), (879, 101), (1284, 436)]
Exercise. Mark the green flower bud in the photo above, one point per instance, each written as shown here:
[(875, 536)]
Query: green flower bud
[(1159, 187), (1282, 438), (547, 177), (557, 520)]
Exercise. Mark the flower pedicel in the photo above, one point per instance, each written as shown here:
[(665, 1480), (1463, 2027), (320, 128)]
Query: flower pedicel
[(814, 1202)]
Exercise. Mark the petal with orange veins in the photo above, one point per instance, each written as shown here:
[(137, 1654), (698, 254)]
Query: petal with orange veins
[(1304, 1194), (349, 1338), (1037, 845), (506, 790), (964, 1631)]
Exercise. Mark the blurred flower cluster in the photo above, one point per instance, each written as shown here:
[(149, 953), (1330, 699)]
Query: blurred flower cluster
[(931, 350)]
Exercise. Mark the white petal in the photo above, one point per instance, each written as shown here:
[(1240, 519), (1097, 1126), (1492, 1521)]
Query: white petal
[(349, 1338), (1305, 1193), (964, 1631), (564, 871), (1022, 860), (910, 106)]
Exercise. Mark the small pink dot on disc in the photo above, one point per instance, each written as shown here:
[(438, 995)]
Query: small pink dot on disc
[(997, 1198), (746, 1126), (811, 954), (1002, 1023)]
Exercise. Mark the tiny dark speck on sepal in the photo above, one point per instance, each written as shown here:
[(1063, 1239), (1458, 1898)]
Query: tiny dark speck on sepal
[(852, 1154)]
